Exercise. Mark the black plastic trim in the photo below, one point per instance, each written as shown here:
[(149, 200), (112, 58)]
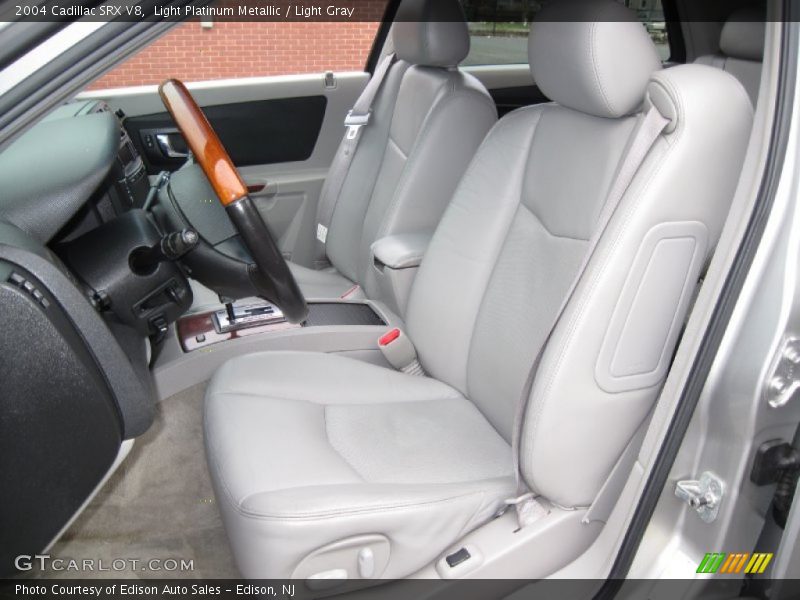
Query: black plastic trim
[(677, 44), (60, 429), (130, 385), (322, 314), (512, 98), (382, 35)]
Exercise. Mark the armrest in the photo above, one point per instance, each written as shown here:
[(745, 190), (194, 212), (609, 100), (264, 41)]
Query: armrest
[(401, 251)]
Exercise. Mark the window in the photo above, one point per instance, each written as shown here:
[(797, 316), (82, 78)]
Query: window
[(207, 50), (499, 28)]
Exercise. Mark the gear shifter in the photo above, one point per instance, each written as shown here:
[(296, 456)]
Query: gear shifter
[(242, 317)]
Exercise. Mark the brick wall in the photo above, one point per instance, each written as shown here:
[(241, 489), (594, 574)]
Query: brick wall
[(246, 49)]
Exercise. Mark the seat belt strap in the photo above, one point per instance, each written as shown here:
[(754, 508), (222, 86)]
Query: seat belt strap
[(356, 120), (646, 134)]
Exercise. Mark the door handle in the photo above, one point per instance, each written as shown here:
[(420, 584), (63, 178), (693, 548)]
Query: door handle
[(165, 143)]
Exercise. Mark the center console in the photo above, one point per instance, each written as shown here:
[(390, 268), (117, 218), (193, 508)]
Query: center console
[(231, 322), (201, 342)]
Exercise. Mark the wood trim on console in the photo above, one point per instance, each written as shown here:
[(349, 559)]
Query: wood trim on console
[(198, 331), (201, 138)]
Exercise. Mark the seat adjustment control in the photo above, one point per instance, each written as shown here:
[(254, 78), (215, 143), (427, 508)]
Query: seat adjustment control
[(325, 580), (458, 557), (366, 563)]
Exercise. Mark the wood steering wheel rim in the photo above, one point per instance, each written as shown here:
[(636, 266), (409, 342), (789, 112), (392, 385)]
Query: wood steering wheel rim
[(203, 141)]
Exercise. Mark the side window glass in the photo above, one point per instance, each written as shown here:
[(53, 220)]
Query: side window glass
[(211, 50), (499, 28)]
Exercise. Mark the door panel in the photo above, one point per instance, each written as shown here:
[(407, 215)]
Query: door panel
[(288, 204), (281, 132), (261, 132)]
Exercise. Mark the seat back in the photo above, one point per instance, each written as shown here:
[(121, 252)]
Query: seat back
[(741, 47), (427, 122), (514, 235)]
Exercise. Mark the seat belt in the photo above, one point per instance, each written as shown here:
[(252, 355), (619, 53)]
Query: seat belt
[(650, 127), (354, 123)]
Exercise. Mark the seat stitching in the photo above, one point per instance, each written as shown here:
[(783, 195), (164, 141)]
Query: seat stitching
[(539, 112), (358, 260), (401, 64), (578, 316), (333, 448), (399, 149), (413, 157), (323, 515), (211, 456), (595, 72), (289, 399), (546, 230)]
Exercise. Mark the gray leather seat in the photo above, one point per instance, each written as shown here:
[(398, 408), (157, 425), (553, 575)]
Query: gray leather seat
[(741, 48), (317, 459), (426, 125)]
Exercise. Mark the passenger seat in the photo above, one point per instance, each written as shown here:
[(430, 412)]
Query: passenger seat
[(741, 47)]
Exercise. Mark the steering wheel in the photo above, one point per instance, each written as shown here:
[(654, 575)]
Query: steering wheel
[(276, 282)]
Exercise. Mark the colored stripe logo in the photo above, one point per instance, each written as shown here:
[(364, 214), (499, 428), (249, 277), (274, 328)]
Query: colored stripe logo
[(734, 562)]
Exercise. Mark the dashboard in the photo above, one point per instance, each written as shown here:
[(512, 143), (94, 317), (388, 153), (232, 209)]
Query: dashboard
[(71, 218), (72, 171), (77, 185), (78, 322)]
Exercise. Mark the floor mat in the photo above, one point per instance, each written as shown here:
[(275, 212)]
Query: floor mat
[(158, 505)]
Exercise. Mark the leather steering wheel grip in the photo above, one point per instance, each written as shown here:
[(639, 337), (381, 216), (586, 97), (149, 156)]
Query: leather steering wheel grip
[(274, 279)]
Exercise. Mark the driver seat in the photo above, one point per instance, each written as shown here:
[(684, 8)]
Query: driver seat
[(426, 123), (325, 463)]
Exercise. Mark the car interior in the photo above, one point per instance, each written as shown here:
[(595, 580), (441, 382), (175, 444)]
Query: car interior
[(364, 329)]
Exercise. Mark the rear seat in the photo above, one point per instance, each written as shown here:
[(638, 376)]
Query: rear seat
[(741, 47)]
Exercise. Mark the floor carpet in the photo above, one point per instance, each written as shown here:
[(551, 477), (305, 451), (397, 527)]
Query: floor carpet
[(158, 505)]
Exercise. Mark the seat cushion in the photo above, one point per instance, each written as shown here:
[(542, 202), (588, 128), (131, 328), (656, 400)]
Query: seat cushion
[(307, 449)]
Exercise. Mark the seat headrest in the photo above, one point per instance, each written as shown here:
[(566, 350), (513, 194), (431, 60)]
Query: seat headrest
[(593, 56), (743, 34), (432, 33)]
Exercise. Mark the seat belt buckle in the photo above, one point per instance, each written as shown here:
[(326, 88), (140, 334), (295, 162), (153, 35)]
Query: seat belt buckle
[(354, 123), (399, 351)]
